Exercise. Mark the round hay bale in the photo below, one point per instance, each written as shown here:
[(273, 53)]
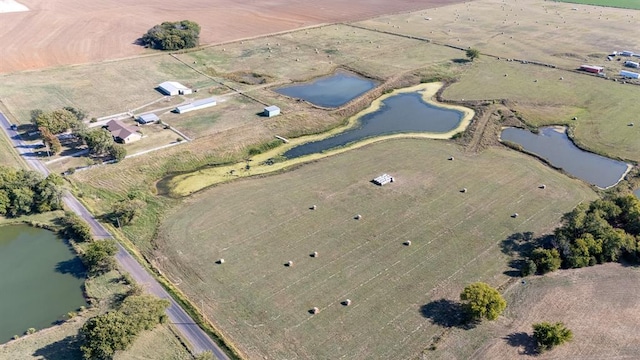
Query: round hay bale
[(451, 158), (313, 207), (515, 215), (407, 243), (575, 118), (464, 190), (561, 78), (314, 310), (289, 263), (630, 124), (543, 186), (220, 261), (314, 254), (358, 217), (346, 302)]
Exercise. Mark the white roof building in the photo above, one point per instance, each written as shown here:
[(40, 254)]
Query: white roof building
[(172, 88), (196, 105), (271, 111), (148, 118)]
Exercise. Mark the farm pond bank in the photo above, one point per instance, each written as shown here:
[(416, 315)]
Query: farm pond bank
[(553, 145), (330, 91), (185, 184), (41, 280), (400, 113)]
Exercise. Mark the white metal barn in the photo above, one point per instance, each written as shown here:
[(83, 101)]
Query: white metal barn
[(148, 118), (271, 111), (196, 105), (172, 88), (383, 179)]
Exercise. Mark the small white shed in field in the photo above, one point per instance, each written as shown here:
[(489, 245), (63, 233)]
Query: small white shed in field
[(383, 179), (271, 111)]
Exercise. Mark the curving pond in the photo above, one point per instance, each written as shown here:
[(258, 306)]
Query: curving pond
[(553, 145), (40, 280), (401, 113), (330, 91)]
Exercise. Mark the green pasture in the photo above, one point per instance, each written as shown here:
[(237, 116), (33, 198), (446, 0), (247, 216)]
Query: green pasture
[(542, 96), (626, 4), (258, 224)]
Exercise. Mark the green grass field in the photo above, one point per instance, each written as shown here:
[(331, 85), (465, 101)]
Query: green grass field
[(257, 225), (604, 108), (626, 4)]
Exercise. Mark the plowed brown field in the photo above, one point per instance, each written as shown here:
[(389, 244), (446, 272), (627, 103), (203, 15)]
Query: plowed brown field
[(62, 32)]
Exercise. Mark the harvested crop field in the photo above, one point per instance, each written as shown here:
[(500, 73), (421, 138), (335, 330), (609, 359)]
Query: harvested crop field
[(599, 304), (60, 32), (258, 225)]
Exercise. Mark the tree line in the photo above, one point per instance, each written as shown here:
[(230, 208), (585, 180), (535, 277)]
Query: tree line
[(605, 230), (24, 192)]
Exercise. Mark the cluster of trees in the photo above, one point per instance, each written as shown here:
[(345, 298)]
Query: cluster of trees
[(100, 143), (73, 227), (58, 121), (24, 192), (52, 123), (173, 35), (549, 335), (115, 330), (605, 230), (481, 301)]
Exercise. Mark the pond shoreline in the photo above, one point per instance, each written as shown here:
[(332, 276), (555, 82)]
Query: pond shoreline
[(563, 129), (186, 184)]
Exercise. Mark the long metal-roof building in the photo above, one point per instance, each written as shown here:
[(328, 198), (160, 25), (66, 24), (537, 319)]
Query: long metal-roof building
[(196, 105)]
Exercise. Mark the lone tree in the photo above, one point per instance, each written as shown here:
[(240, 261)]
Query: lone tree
[(549, 335), (483, 301), (473, 54), (173, 35)]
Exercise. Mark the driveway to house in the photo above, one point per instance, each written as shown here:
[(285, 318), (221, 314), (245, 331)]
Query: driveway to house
[(190, 331)]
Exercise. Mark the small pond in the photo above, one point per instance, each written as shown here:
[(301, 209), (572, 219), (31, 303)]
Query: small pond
[(402, 113), (40, 280), (330, 91), (553, 145)]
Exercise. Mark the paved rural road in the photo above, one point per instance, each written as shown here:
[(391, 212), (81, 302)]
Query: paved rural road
[(198, 339)]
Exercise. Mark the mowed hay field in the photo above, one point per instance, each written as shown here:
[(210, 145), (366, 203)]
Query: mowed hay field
[(258, 225), (534, 30), (304, 54), (599, 304), (604, 108)]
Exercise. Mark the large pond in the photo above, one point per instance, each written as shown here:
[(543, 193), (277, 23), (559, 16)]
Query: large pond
[(402, 113), (553, 145), (40, 280), (330, 91)]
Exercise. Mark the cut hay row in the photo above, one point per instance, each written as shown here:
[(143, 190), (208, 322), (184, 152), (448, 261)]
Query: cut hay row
[(364, 261)]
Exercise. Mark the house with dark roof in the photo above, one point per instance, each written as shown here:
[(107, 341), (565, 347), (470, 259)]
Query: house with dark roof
[(123, 133)]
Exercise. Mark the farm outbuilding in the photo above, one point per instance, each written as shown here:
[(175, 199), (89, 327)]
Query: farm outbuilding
[(148, 118), (271, 111), (632, 64), (592, 69), (629, 74), (196, 105), (123, 133), (383, 179), (172, 88)]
